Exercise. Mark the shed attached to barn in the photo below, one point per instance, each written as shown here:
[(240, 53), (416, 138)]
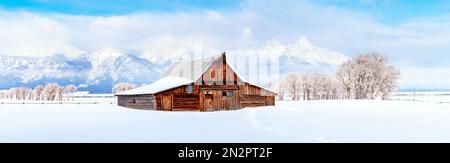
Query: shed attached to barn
[(209, 84)]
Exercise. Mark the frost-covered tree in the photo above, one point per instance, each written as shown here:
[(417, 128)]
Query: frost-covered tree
[(50, 92), (3, 94), (59, 94), (388, 82), (319, 87), (293, 85), (21, 93), (69, 90), (368, 76), (38, 92), (281, 90), (121, 87), (346, 79)]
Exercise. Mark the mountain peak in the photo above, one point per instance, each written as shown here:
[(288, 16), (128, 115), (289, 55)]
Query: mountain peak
[(303, 42)]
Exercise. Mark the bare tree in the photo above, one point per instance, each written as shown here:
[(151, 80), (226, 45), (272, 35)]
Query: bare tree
[(21, 93), (121, 87), (281, 89), (293, 85), (388, 83), (69, 90), (346, 79), (38, 92), (59, 94), (3, 94), (50, 92), (319, 87), (368, 77)]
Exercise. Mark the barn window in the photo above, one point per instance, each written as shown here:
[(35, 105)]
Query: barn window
[(228, 93), (189, 89)]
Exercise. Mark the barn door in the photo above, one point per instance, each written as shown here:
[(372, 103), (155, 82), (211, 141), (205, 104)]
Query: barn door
[(229, 101), (209, 100), (166, 102)]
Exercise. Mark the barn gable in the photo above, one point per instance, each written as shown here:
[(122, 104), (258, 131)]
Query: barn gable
[(211, 71)]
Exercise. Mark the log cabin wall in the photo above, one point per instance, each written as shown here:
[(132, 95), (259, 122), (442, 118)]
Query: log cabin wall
[(248, 89), (270, 100), (180, 99), (147, 102), (186, 102), (252, 101), (253, 96), (219, 99)]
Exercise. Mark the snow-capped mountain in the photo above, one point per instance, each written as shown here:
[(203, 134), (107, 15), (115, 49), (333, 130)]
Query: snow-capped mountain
[(303, 50), (299, 56), (95, 72), (302, 56), (99, 71)]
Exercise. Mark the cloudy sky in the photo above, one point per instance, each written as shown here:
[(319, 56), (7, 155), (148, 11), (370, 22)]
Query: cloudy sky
[(415, 34)]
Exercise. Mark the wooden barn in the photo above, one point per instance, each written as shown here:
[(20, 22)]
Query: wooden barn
[(199, 85)]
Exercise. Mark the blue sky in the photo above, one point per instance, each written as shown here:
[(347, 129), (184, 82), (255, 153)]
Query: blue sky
[(394, 11), (114, 7), (386, 11)]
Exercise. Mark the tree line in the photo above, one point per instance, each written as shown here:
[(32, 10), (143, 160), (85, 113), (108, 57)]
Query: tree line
[(367, 76), (49, 92), (52, 92)]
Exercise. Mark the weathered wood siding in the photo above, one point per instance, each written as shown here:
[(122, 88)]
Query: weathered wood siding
[(219, 97), (270, 100), (219, 74), (253, 96), (252, 101), (186, 102), (179, 99), (248, 89), (147, 102)]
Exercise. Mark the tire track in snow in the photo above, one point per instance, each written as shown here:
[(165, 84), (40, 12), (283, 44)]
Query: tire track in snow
[(254, 122)]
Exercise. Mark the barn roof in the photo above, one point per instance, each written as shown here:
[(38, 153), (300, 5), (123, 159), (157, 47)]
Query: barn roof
[(160, 85), (193, 69)]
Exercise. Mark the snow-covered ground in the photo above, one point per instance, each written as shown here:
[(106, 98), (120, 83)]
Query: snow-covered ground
[(304, 121)]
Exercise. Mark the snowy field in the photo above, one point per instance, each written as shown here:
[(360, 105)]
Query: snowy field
[(311, 121)]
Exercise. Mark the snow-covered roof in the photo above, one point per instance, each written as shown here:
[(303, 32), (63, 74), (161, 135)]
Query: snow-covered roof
[(158, 86), (192, 70), (247, 81)]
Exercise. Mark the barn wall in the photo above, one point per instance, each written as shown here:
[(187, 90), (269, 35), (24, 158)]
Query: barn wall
[(248, 89), (252, 101), (270, 100), (186, 102), (180, 99), (146, 102)]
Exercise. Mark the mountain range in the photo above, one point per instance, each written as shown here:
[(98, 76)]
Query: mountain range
[(97, 72)]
